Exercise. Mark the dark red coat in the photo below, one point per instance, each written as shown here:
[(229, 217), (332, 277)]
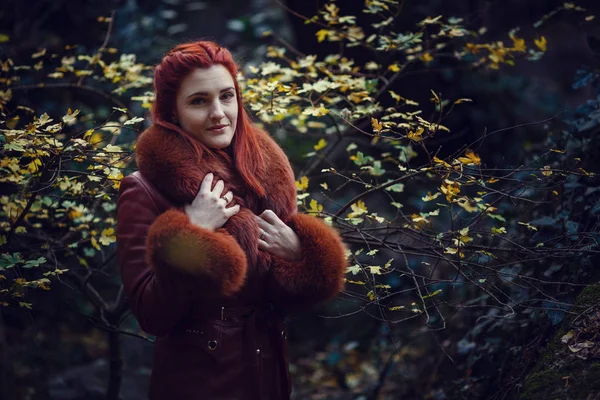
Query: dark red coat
[(215, 302)]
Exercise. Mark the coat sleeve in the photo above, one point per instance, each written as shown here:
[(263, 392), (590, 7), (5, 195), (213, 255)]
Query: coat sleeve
[(167, 263), (318, 276)]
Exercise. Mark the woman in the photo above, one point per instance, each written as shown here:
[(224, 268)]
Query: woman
[(212, 251)]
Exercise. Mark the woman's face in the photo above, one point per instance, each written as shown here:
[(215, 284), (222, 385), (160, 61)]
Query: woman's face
[(207, 106)]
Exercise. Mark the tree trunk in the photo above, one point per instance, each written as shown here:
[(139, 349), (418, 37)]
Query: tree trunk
[(115, 366)]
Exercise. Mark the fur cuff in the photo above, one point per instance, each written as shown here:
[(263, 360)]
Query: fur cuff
[(213, 257), (319, 275)]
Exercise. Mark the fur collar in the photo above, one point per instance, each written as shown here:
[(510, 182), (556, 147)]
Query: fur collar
[(168, 163), (164, 159)]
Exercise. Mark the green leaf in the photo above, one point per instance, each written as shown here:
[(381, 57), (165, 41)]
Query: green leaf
[(9, 261), (34, 263), (398, 188), (497, 216)]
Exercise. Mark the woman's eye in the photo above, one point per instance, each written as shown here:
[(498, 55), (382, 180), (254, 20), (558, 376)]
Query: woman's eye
[(197, 100), (228, 96)]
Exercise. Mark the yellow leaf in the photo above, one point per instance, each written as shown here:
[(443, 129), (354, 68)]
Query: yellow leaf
[(426, 57), (541, 43), (34, 165), (471, 158), (450, 189), (4, 38), (435, 97), (358, 208), (432, 294), (462, 101), (316, 111), (395, 96), (394, 68), (498, 231), (440, 161), (493, 180), (108, 236), (546, 170), (324, 185), (322, 143), (109, 148), (39, 54), (315, 207), (465, 203), (396, 308), (302, 184), (375, 270), (377, 126), (371, 295), (355, 269), (429, 197), (354, 282), (450, 250), (529, 226), (589, 18), (70, 117), (12, 123), (322, 34), (416, 136), (518, 43), (95, 243)]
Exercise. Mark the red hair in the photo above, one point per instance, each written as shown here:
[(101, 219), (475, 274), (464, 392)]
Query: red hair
[(174, 67)]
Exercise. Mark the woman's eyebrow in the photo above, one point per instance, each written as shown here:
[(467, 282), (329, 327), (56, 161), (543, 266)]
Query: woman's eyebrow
[(206, 93)]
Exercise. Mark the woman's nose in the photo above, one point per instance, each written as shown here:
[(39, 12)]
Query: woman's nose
[(216, 111)]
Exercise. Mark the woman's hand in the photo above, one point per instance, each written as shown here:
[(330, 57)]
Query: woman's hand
[(277, 238), (211, 209)]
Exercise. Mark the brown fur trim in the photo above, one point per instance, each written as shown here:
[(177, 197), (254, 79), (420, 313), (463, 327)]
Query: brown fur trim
[(215, 257), (168, 163), (319, 276)]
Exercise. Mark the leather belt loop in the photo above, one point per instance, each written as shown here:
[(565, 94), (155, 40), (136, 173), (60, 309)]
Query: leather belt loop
[(222, 313)]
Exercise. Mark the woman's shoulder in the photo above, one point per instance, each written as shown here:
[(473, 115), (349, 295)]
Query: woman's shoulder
[(136, 187)]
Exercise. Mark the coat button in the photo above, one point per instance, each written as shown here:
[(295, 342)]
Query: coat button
[(212, 345), (283, 335), (258, 351)]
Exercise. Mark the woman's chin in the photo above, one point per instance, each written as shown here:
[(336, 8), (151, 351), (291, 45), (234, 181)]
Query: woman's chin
[(219, 141)]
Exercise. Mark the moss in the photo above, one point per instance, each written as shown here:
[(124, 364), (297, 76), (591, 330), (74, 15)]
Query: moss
[(541, 385), (546, 382), (548, 385), (589, 296)]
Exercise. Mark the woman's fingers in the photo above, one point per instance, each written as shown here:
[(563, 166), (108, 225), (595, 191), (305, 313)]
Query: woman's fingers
[(228, 197), (270, 217), (206, 184), (263, 226), (231, 211), (218, 189)]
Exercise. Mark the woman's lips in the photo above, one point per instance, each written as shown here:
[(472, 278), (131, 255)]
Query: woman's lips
[(218, 128)]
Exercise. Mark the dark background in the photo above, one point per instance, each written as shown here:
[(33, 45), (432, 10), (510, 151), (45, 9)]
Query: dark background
[(55, 351)]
